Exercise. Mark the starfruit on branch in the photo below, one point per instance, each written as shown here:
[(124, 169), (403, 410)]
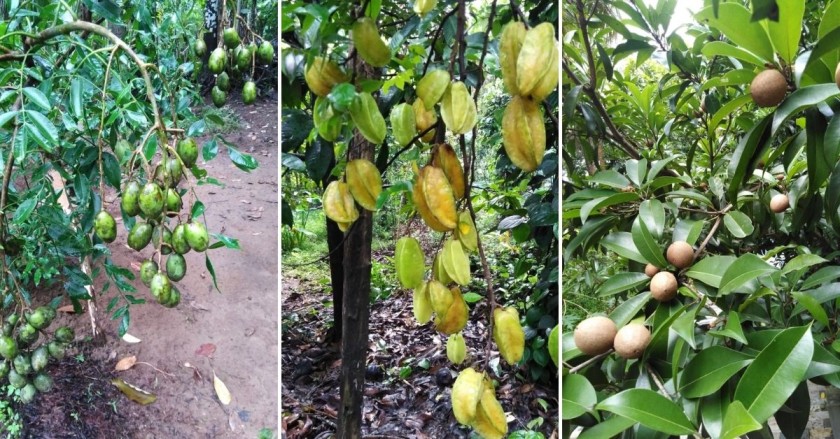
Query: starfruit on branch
[(537, 63), (326, 120), (403, 124), (322, 75), (508, 334), (456, 348), (365, 114), (421, 303), (455, 317), (474, 404), (424, 119), (457, 108), (368, 43), (423, 7), (455, 262), (523, 133), (364, 181), (466, 231), (510, 43), (339, 205), (432, 87), (434, 199), (446, 159), (410, 262), (438, 272)]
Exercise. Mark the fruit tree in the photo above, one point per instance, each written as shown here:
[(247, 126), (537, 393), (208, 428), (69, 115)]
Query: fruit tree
[(701, 198)]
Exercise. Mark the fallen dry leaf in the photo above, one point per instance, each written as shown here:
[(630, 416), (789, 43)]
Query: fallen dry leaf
[(221, 390), (128, 338), (67, 309), (125, 363), (206, 350), (134, 393)]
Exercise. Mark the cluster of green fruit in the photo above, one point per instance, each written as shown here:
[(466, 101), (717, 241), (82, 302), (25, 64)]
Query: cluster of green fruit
[(23, 365), (242, 56), (155, 201)]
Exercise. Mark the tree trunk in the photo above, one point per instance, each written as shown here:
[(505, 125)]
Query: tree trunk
[(335, 247)]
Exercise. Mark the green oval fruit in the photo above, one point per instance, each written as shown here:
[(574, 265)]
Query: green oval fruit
[(187, 149), (231, 38), (217, 61), (265, 54), (169, 172), (13, 319), (223, 81), (39, 359), (219, 97), (105, 227), (160, 287), (148, 269), (151, 200), (56, 349), (8, 329), (196, 235), (139, 236), (43, 382), (243, 60), (8, 347), (129, 201), (249, 93), (16, 380), (27, 334), (37, 319), (5, 367), (174, 299), (28, 393), (179, 240), (64, 334), (176, 267), (173, 202), (123, 150), (49, 313), (199, 47), (22, 364), (368, 43), (165, 241)]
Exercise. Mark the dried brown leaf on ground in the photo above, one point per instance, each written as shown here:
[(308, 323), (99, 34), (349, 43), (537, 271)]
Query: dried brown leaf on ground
[(126, 363), (206, 350)]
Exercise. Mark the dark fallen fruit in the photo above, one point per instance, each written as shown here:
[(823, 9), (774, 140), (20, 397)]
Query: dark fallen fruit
[(105, 227), (176, 267), (139, 236), (196, 235)]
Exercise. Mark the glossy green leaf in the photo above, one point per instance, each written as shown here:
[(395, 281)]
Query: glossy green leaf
[(822, 276), (824, 362), (738, 224), (821, 295), (684, 327), (628, 309), (608, 428), (691, 195), (743, 270), (819, 154), (578, 396), (36, 97), (712, 411), (601, 203), (738, 421), (610, 178), (785, 32), (720, 48), (801, 262), (636, 170), (649, 409), (709, 270), (621, 282), (727, 109), (734, 22), (653, 214), (622, 244), (647, 245), (776, 372), (812, 306), (732, 329), (746, 155), (801, 99), (826, 47), (688, 230), (706, 372)]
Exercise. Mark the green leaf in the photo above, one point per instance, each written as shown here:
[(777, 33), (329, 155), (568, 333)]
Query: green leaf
[(691, 195), (600, 203), (649, 409), (709, 270), (24, 210), (819, 155), (197, 210), (212, 272), (610, 178), (826, 45), (734, 22), (738, 224), (293, 162), (107, 9), (793, 421), (629, 309), (647, 245), (785, 32), (743, 270), (737, 422), (319, 155), (553, 341), (226, 241), (765, 9), (727, 109), (578, 396), (684, 327), (801, 99), (608, 428), (812, 306), (746, 154), (776, 372), (823, 275), (653, 215), (76, 98), (111, 169), (38, 98), (732, 329), (688, 230), (622, 244), (801, 262), (823, 362), (242, 161), (821, 295), (720, 48), (45, 127), (605, 61), (710, 369), (621, 282), (472, 297), (210, 149), (712, 410)]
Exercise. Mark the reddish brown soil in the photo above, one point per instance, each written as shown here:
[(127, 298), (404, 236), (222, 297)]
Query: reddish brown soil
[(241, 322)]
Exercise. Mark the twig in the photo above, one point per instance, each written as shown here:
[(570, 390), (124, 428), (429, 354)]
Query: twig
[(590, 361), (714, 228)]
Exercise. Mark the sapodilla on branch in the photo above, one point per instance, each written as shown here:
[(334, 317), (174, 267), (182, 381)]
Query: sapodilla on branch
[(768, 88), (631, 340), (779, 203), (595, 335), (663, 286), (680, 254)]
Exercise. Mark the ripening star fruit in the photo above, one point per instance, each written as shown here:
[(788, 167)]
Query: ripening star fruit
[(466, 231), (265, 53), (196, 236), (160, 287), (326, 120), (456, 348), (510, 43), (436, 201), (424, 120), (410, 262), (199, 47), (536, 62), (187, 150), (339, 205), (768, 89), (454, 318), (466, 394), (129, 201), (365, 114), (446, 159), (680, 254), (322, 75), (151, 200), (249, 93), (523, 132), (105, 227), (364, 182), (490, 421), (403, 125), (231, 38), (455, 261), (631, 340), (422, 7), (432, 86), (438, 272), (458, 108), (595, 335), (663, 286), (779, 203), (139, 236), (651, 270), (148, 270), (368, 43), (508, 334), (217, 61)]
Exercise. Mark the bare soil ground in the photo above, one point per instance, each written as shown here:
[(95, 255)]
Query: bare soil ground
[(413, 406), (232, 333)]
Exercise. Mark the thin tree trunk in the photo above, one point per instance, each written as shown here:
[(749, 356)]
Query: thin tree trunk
[(335, 247)]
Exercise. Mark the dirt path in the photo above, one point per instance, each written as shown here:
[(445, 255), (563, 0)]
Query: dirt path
[(240, 322)]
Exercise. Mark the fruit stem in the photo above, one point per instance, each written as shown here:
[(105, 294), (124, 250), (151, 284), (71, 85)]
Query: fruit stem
[(714, 229), (580, 366)]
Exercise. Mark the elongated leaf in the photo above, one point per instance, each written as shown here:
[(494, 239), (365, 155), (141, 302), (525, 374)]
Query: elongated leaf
[(734, 22), (706, 372), (727, 109), (38, 98), (712, 410), (812, 306), (649, 409), (738, 224), (827, 44), (221, 390), (821, 295), (823, 275), (608, 428), (746, 155), (743, 270), (600, 203), (710, 270), (801, 99), (647, 245), (622, 282), (622, 244), (824, 362), (776, 372), (732, 329), (785, 32), (793, 422), (688, 230), (801, 262), (653, 214), (691, 195), (610, 178), (738, 421), (819, 166), (578, 396), (720, 48), (629, 309)]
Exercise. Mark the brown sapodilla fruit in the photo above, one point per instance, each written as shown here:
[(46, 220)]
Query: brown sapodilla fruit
[(651, 270), (631, 340), (837, 75), (768, 88), (595, 335), (779, 203), (680, 254), (663, 286)]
